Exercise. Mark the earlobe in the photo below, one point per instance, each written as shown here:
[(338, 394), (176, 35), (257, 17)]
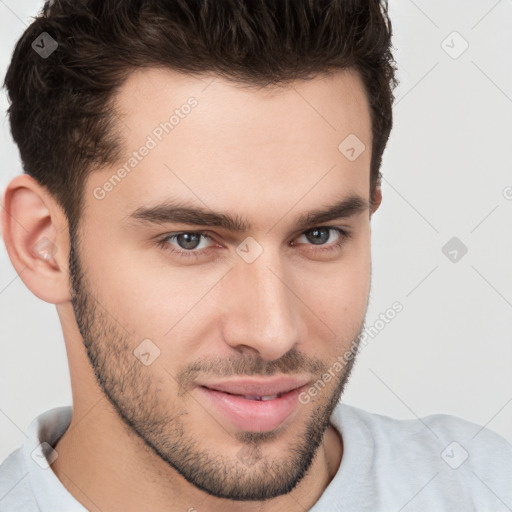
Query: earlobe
[(34, 229)]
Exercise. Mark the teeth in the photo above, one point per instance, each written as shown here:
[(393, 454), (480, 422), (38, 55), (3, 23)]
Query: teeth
[(261, 398)]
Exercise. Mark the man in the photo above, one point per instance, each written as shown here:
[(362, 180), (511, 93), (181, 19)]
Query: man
[(200, 180)]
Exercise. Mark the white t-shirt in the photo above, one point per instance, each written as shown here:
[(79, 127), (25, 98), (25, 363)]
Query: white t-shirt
[(437, 463)]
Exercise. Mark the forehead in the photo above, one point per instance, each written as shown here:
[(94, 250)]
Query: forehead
[(207, 139)]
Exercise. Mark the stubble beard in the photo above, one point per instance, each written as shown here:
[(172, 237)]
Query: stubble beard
[(133, 391)]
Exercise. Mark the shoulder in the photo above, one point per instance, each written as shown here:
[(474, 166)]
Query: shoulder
[(429, 431), (449, 458), (27, 484), (15, 493)]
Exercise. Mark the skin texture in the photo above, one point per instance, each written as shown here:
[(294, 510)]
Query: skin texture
[(145, 434)]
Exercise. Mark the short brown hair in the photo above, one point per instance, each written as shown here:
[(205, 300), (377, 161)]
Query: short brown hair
[(61, 106)]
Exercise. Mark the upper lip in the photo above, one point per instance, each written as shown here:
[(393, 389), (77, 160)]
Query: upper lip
[(257, 387)]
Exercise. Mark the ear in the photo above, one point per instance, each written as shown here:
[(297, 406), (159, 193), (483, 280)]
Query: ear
[(376, 199), (35, 233)]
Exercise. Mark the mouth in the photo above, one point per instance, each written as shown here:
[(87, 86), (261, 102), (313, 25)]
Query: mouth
[(261, 398), (254, 405)]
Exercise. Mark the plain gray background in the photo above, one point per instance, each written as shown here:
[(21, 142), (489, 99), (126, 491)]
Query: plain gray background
[(447, 173)]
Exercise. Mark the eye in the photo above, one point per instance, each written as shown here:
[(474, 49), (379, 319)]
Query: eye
[(196, 243), (322, 235), (188, 243)]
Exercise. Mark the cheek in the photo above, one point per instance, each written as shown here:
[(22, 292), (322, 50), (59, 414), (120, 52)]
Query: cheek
[(139, 284), (338, 291), (160, 304), (337, 294)]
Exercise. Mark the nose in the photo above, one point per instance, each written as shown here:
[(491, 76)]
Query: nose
[(263, 315)]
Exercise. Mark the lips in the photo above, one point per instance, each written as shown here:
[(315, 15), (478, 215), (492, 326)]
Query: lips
[(270, 387), (252, 404)]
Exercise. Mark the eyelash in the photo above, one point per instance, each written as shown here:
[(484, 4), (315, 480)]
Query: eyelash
[(164, 243)]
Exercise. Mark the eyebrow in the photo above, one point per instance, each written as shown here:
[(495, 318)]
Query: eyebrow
[(183, 213)]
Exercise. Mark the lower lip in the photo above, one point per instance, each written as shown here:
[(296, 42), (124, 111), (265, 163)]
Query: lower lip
[(254, 415)]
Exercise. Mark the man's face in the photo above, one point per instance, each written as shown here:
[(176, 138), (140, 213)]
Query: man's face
[(203, 333)]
